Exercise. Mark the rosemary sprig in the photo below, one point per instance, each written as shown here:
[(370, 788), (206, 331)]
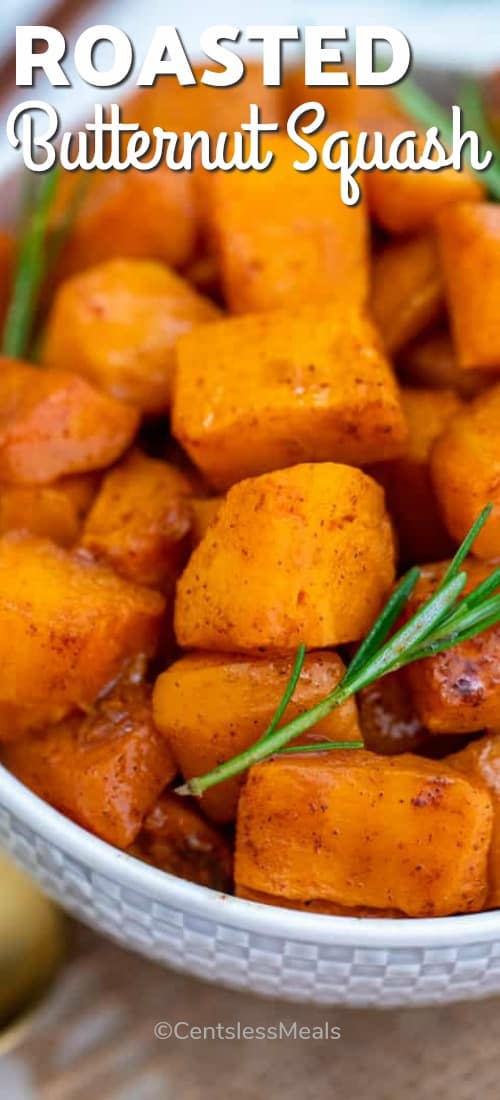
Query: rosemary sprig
[(420, 106), (443, 621), (31, 269), (39, 251)]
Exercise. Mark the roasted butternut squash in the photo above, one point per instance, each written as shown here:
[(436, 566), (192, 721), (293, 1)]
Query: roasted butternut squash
[(465, 467), (104, 769), (140, 520), (117, 325), (53, 424), (354, 828), (211, 707), (312, 385), (68, 626), (299, 555)]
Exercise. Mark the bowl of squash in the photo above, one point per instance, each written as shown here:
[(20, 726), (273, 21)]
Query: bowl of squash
[(249, 521)]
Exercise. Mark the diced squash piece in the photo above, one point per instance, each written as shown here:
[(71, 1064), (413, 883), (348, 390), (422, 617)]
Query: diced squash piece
[(284, 237), (53, 423), (212, 707), (389, 722), (203, 512), (299, 555), (177, 838), (18, 719), (142, 215), (117, 325), (140, 520), (68, 626), (326, 907), (353, 828), (431, 361), (465, 465), (105, 769), (308, 385), (407, 480), (469, 237), (408, 201), (457, 691), (55, 511), (407, 290), (480, 761)]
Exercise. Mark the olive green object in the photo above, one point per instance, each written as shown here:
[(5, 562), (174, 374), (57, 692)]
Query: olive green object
[(32, 942)]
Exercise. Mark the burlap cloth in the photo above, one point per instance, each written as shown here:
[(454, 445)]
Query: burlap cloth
[(94, 1040)]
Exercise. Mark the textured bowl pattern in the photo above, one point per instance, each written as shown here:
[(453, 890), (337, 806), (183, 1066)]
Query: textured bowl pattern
[(273, 952)]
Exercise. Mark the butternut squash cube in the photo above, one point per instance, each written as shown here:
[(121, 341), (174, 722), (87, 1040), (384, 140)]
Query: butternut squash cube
[(140, 520), (353, 828), (469, 238), (212, 707), (105, 769), (176, 837), (118, 324), (465, 466), (253, 394), (410, 495), (53, 424), (408, 202), (300, 555), (137, 215), (54, 511), (284, 237), (480, 761), (68, 626), (457, 691), (407, 290)]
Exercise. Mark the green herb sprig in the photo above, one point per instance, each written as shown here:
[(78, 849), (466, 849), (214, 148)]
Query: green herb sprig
[(443, 621), (31, 267), (39, 250)]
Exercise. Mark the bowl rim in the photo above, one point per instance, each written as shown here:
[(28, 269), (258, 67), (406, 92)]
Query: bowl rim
[(253, 917)]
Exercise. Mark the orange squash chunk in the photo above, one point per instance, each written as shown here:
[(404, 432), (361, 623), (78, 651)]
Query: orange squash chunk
[(68, 626), (480, 761), (54, 511), (300, 555), (469, 237), (53, 423), (142, 215), (118, 324), (407, 480), (177, 838), (284, 237), (457, 691), (140, 520), (212, 707), (353, 828), (308, 385), (465, 466), (407, 290), (105, 769), (408, 202)]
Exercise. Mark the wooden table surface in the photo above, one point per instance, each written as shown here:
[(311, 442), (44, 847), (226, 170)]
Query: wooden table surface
[(94, 1038)]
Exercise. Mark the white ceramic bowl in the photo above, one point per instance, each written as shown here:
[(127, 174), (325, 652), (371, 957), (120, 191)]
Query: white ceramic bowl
[(240, 944)]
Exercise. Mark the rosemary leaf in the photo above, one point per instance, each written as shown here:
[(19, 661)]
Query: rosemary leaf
[(31, 269)]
